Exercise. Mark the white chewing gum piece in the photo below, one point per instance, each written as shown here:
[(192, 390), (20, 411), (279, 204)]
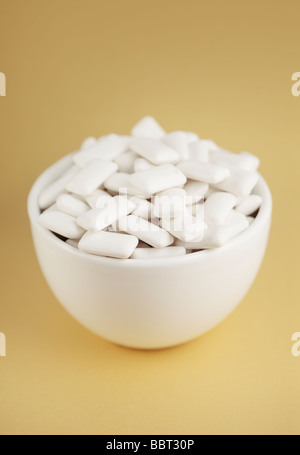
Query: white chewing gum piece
[(177, 141), (185, 228), (49, 195), (169, 203), (143, 208), (253, 162), (141, 164), (172, 192), (214, 237), (242, 160), (62, 224), (99, 219), (157, 253), (98, 199), (125, 161), (237, 222), (204, 172), (88, 143), (88, 179), (156, 179), (148, 127), (145, 231), (108, 244), (217, 206), (71, 205), (198, 151), (119, 183), (239, 182), (250, 204), (106, 148), (52, 208), (190, 136), (195, 191), (154, 151)]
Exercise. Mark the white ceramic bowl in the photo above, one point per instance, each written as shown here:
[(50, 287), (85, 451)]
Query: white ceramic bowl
[(150, 303)]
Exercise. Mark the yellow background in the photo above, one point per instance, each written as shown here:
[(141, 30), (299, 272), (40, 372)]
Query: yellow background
[(80, 68)]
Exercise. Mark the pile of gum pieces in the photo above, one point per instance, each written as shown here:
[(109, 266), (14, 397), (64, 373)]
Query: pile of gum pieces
[(151, 195)]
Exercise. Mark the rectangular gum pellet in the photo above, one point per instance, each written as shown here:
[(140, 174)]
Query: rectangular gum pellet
[(204, 172), (88, 179), (110, 244), (157, 179), (145, 231), (99, 219), (106, 148), (154, 151)]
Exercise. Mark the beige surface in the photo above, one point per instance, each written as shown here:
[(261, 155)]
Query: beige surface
[(76, 69)]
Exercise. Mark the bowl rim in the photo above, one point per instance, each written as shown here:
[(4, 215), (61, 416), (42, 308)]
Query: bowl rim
[(263, 217)]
